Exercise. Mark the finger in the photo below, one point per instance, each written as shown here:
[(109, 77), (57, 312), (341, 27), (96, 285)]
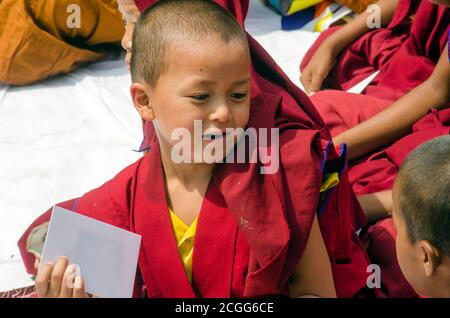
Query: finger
[(316, 82), (43, 278), (57, 276), (37, 261), (78, 289), (68, 282), (305, 79)]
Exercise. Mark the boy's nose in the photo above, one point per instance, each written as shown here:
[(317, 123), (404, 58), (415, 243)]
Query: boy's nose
[(126, 39), (221, 114)]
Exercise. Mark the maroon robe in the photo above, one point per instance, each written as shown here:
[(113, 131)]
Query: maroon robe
[(273, 213), (380, 244), (378, 173), (405, 52)]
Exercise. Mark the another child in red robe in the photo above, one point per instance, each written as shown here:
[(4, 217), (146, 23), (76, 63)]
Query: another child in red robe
[(253, 234)]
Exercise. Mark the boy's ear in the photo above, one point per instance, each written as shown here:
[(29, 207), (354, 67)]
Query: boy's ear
[(140, 95), (430, 257)]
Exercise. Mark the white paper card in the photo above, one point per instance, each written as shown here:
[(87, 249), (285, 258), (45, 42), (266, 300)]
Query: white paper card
[(107, 255), (358, 88)]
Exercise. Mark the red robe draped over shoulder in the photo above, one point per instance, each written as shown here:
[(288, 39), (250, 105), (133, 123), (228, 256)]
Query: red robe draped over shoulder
[(266, 219)]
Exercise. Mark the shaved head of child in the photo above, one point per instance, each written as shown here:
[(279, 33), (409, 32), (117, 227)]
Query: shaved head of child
[(174, 21), (421, 197)]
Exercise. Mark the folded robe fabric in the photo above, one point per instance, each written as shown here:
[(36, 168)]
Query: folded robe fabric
[(380, 244), (379, 171), (405, 52), (263, 221), (36, 42)]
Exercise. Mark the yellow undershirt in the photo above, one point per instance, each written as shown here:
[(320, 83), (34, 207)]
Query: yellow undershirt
[(185, 240)]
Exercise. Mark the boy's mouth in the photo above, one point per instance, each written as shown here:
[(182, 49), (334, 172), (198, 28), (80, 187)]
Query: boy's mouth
[(214, 135)]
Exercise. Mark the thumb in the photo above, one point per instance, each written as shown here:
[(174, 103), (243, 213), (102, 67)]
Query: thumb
[(305, 79), (316, 82), (78, 290)]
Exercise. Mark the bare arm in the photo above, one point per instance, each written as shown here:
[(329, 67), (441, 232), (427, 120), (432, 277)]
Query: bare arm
[(313, 276), (397, 120), (376, 206), (325, 57), (353, 30)]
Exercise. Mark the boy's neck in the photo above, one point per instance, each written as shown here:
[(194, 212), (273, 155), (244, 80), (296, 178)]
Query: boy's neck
[(443, 271), (185, 173), (439, 284)]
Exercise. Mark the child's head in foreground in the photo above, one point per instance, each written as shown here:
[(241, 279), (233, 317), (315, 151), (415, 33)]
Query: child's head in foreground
[(421, 214), (190, 61)]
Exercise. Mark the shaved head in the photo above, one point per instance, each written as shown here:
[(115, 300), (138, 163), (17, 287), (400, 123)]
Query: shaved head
[(173, 21), (423, 187)]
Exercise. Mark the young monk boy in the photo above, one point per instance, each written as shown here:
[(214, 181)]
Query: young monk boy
[(422, 218), (290, 110), (190, 62), (420, 205)]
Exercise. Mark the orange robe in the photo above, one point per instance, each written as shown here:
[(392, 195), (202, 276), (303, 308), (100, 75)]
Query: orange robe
[(36, 42), (357, 5)]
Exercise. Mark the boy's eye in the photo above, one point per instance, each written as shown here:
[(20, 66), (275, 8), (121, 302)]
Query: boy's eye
[(239, 96), (201, 97)]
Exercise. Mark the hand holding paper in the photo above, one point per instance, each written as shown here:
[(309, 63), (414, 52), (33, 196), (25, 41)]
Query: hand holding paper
[(60, 280), (106, 255)]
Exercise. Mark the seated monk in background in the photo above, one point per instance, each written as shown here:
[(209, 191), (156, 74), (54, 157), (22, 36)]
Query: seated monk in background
[(43, 38)]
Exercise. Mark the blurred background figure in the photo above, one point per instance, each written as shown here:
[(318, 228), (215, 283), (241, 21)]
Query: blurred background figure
[(42, 38)]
